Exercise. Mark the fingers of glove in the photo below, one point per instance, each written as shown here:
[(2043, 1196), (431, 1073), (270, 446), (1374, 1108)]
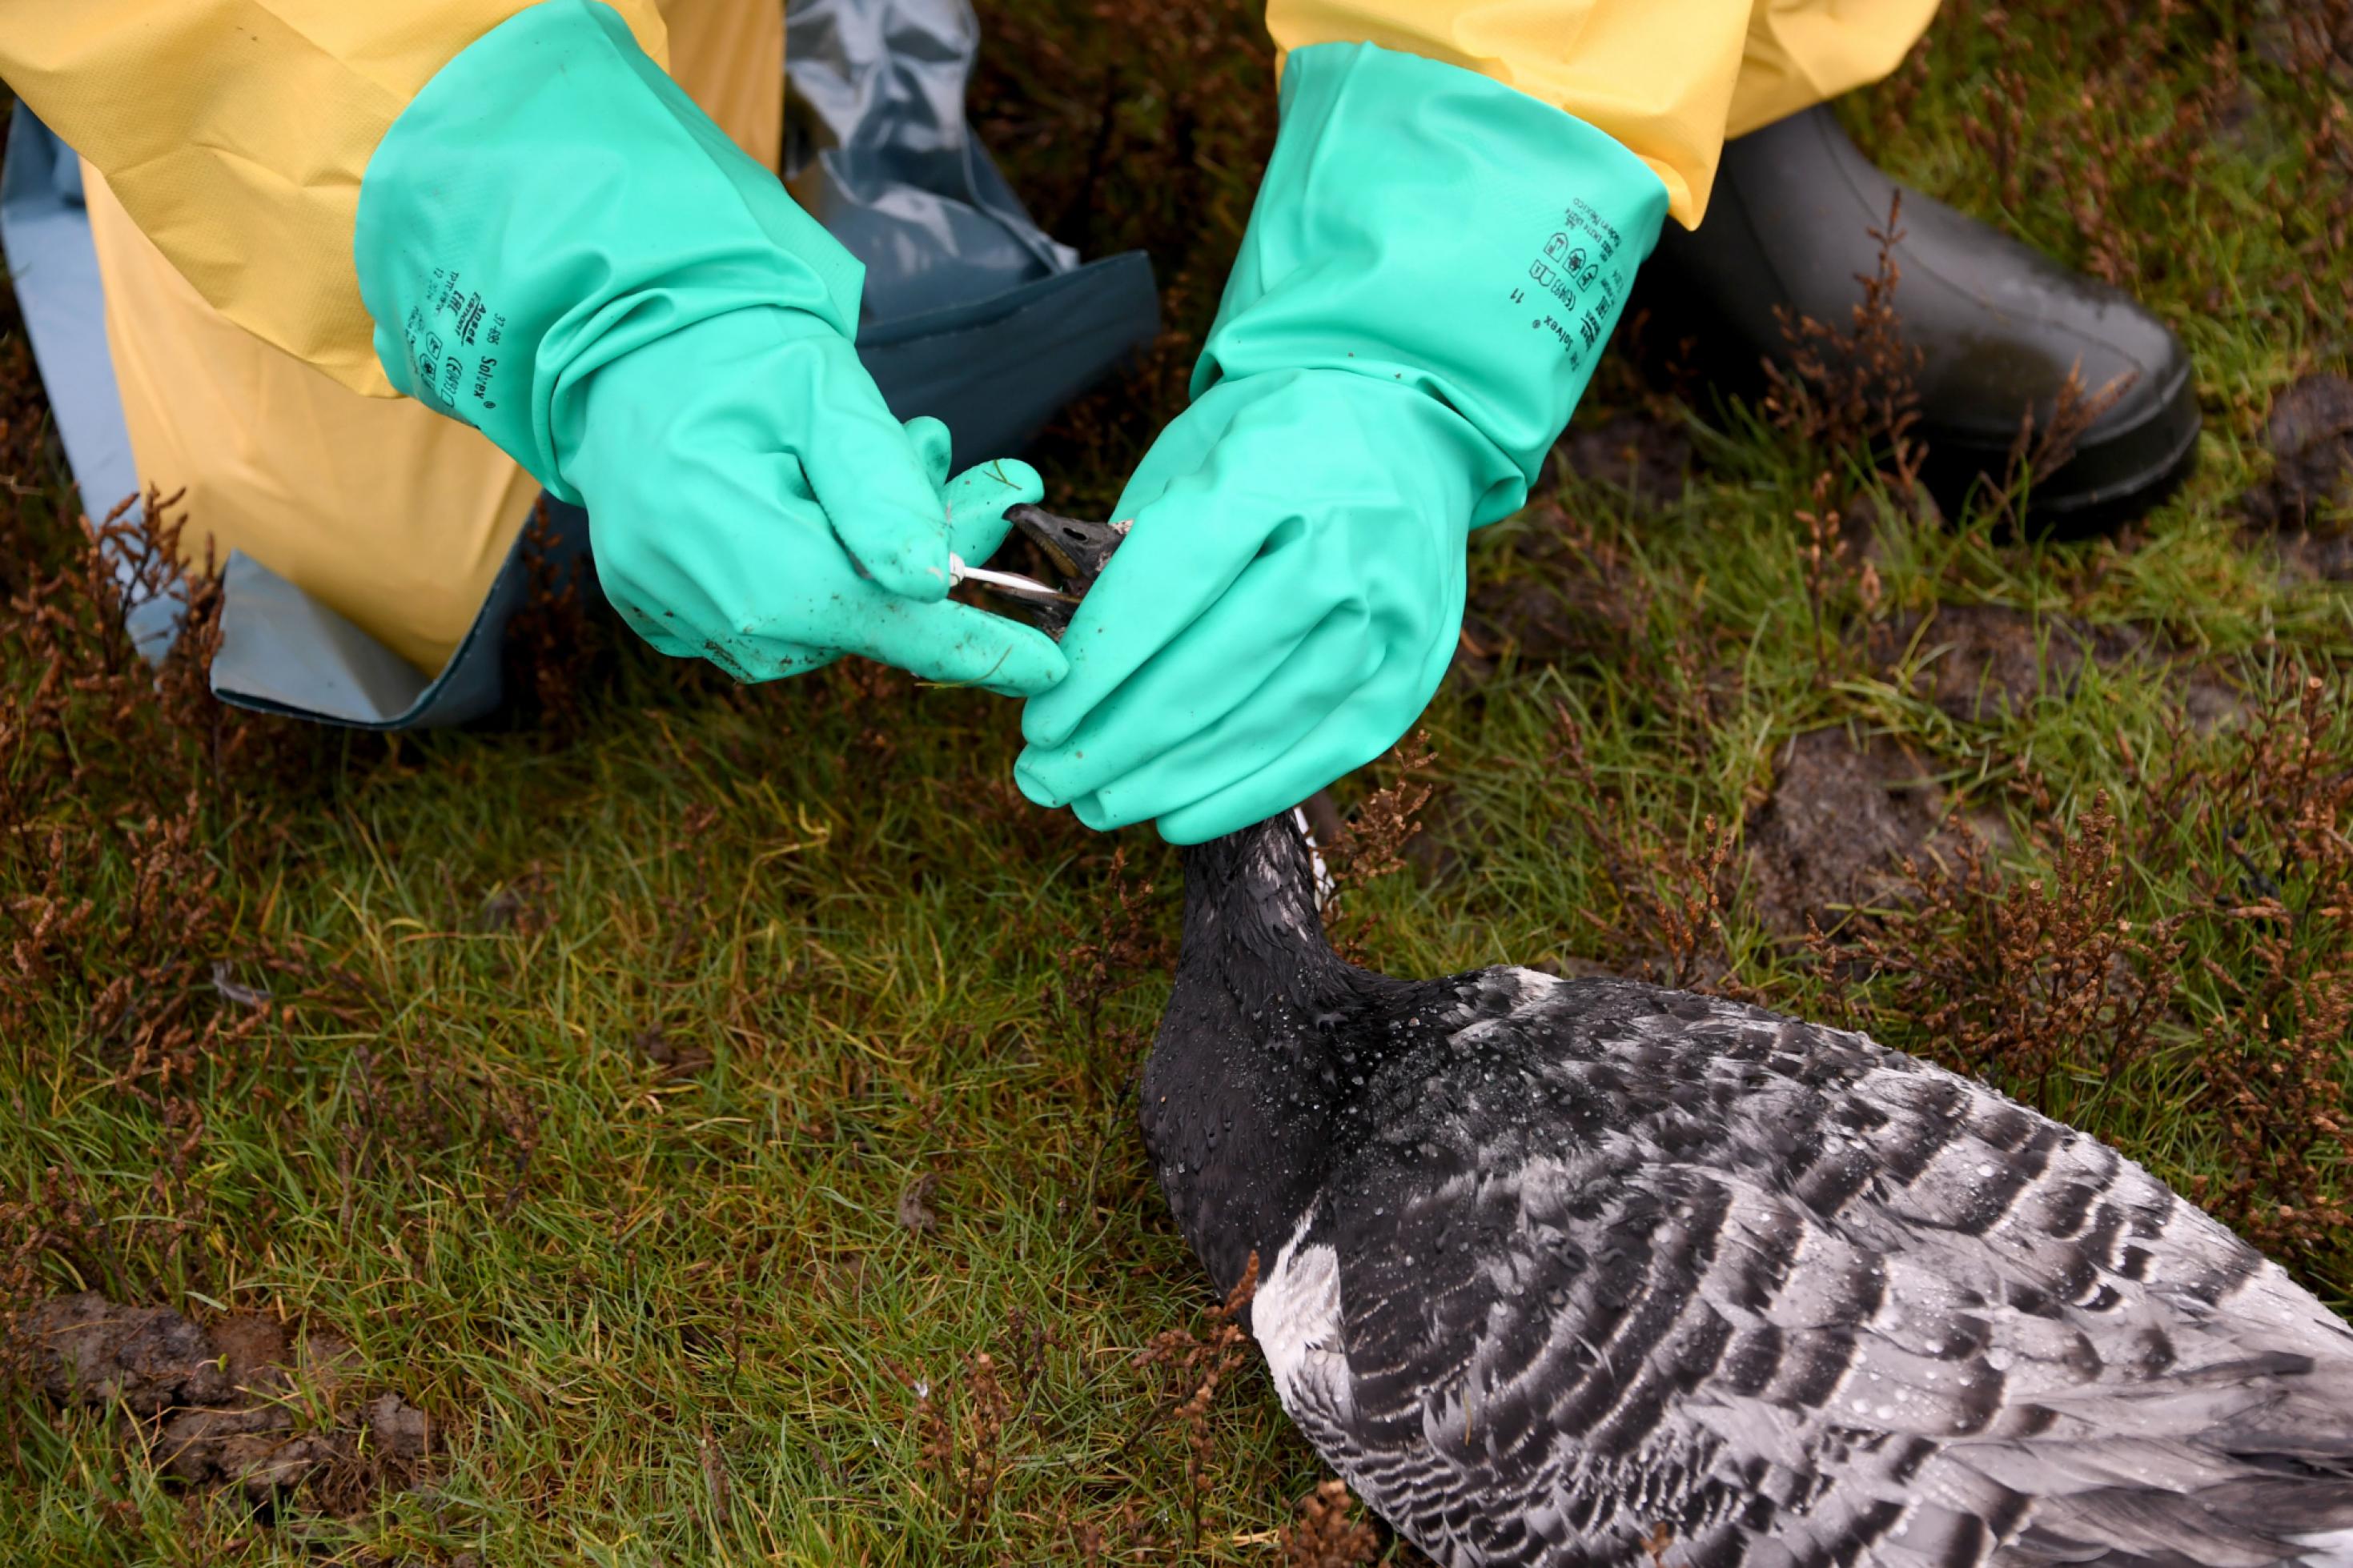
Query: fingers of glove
[(978, 501), (1256, 796), (1180, 559), (1353, 734), (1210, 671), (790, 601), (867, 472), (1232, 481), (1329, 670), (746, 659), (656, 632), (754, 660), (953, 643), (749, 578), (792, 659), (934, 448)]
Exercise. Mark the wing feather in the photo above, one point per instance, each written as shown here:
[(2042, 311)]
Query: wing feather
[(1627, 1266)]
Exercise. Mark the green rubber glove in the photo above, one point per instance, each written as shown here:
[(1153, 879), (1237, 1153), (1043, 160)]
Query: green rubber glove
[(559, 248), (1429, 274)]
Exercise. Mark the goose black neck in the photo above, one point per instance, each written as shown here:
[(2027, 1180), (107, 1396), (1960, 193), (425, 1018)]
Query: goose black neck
[(1250, 1072), (1250, 905)]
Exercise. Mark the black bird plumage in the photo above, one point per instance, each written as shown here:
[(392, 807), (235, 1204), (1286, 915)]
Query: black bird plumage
[(1591, 1274)]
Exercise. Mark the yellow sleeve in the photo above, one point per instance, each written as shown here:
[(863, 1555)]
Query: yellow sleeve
[(235, 133), (1668, 78), (1804, 52)]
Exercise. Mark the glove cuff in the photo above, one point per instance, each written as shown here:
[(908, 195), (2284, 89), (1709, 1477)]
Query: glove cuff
[(1422, 225), (551, 201)]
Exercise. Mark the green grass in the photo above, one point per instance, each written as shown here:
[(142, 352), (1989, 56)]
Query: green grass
[(611, 1279)]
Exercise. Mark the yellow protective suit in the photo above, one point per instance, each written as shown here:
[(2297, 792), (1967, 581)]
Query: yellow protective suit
[(1670, 80), (225, 141), (391, 514)]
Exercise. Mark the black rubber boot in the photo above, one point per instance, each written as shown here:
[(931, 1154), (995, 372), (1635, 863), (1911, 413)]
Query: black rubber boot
[(1998, 325)]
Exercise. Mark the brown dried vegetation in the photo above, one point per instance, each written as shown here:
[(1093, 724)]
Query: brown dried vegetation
[(1132, 943), (2091, 157), (960, 1428), (996, 1408), (1666, 924), (1374, 840), (127, 794), (2208, 935), (137, 815), (1329, 1533), (1853, 388), (1564, 593), (2024, 979), (557, 637), (1191, 1365)]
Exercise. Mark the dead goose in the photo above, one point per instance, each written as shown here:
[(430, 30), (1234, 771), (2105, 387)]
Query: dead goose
[(1585, 1272)]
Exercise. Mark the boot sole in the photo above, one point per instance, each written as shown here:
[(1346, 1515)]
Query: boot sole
[(2107, 485)]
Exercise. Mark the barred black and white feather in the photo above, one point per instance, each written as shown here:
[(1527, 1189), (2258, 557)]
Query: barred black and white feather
[(1591, 1274)]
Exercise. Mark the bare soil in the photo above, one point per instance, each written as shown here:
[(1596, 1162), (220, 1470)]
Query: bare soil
[(2306, 500), (1837, 830), (1649, 459), (239, 1404), (1568, 603), (1981, 662)]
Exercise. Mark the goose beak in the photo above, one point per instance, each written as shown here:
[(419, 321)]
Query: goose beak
[(1079, 550)]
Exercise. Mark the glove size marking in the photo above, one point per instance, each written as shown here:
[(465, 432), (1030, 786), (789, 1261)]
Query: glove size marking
[(450, 320), (1575, 271)]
